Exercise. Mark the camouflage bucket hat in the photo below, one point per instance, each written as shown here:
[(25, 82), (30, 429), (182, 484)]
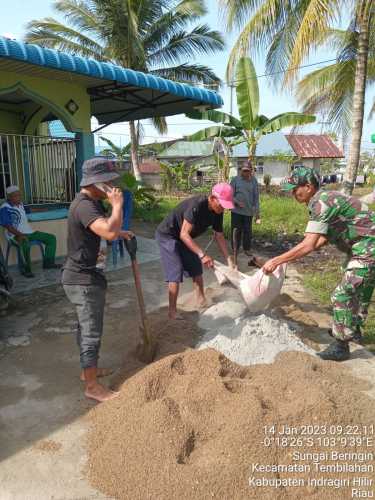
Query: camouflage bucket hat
[(300, 176), (98, 169)]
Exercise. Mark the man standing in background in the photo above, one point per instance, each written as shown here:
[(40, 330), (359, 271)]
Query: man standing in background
[(246, 206)]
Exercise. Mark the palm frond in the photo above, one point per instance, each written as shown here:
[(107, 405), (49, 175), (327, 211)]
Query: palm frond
[(258, 32), (200, 40), (51, 33), (160, 124), (235, 11), (317, 19), (79, 13), (189, 73)]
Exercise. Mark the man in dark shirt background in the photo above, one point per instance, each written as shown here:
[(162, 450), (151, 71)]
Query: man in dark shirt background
[(180, 255), (84, 283)]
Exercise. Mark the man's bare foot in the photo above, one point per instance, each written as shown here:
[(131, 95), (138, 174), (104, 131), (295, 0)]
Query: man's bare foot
[(175, 317), (203, 303), (99, 393), (100, 372)]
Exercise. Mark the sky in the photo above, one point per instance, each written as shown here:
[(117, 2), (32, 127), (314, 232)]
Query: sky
[(15, 15)]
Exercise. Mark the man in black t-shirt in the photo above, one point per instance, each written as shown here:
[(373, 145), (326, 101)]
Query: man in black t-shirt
[(84, 283), (180, 255)]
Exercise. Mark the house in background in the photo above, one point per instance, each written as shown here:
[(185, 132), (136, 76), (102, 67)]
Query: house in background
[(150, 171), (201, 154), (277, 154)]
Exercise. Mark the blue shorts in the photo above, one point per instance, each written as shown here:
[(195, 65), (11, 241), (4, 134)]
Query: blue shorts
[(177, 260)]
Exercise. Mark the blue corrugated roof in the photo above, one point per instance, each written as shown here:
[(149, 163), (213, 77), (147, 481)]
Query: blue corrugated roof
[(54, 59), (57, 129), (268, 145)]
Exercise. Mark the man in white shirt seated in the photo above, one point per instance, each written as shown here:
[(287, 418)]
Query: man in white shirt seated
[(14, 219)]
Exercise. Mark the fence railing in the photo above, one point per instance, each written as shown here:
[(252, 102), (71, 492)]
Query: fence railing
[(43, 167)]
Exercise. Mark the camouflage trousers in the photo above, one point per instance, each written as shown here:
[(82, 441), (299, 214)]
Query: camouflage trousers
[(352, 297)]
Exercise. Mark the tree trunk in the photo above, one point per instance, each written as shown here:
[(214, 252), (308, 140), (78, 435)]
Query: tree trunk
[(134, 151), (358, 103), (252, 147)]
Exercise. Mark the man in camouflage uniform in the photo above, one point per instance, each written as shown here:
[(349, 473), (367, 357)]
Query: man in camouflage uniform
[(347, 223)]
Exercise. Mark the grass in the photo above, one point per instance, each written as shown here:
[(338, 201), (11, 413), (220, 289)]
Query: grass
[(156, 214), (322, 284), (280, 215)]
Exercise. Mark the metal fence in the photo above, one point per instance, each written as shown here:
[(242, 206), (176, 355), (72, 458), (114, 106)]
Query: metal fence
[(43, 167)]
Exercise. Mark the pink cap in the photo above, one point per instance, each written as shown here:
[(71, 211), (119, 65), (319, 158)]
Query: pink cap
[(224, 193)]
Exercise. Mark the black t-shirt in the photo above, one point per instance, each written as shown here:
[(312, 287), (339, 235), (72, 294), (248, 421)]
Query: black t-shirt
[(83, 244), (195, 210)]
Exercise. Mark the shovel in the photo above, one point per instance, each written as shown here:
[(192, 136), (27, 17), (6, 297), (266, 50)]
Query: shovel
[(235, 246), (147, 348)]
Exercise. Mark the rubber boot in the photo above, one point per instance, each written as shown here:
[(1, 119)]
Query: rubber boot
[(337, 351), (357, 337)]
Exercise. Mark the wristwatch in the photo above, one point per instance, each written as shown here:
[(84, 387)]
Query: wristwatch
[(201, 254)]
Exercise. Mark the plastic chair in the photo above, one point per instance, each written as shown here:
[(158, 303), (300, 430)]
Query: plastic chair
[(20, 260), (118, 245)]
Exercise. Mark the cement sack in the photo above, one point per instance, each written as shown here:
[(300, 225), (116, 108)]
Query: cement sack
[(260, 289)]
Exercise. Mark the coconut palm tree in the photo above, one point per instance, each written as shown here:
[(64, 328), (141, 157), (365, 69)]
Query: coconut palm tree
[(330, 89), (250, 126), (153, 36), (291, 30)]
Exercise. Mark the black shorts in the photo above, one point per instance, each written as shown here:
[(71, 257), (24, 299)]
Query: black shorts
[(177, 260)]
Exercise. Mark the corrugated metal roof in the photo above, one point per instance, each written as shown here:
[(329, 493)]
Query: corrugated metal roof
[(148, 95), (268, 145), (186, 149), (149, 167), (314, 146)]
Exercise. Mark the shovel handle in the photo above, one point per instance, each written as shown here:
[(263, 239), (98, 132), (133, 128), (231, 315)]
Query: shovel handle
[(131, 246)]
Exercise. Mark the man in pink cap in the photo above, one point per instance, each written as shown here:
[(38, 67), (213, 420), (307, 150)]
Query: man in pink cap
[(180, 254)]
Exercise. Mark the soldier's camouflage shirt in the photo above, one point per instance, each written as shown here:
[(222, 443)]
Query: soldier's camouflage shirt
[(343, 219)]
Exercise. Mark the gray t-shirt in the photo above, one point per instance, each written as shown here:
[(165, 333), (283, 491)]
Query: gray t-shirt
[(246, 192), (83, 244)]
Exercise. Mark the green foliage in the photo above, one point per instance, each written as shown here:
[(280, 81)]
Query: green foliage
[(371, 179), (154, 36), (177, 177), (121, 153), (251, 126), (143, 196)]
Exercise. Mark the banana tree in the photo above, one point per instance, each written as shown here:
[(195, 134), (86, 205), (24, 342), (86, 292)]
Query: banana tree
[(121, 153), (250, 126)]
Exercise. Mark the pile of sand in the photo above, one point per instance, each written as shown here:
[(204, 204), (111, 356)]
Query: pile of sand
[(191, 426)]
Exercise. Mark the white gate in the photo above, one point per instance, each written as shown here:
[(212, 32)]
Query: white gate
[(43, 167)]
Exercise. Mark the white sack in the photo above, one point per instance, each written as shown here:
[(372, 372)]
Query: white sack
[(260, 289)]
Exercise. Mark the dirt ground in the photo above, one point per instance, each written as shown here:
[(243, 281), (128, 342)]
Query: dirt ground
[(44, 417)]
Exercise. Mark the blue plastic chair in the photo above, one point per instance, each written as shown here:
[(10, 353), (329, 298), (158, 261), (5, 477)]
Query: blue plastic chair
[(20, 260), (118, 245)]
